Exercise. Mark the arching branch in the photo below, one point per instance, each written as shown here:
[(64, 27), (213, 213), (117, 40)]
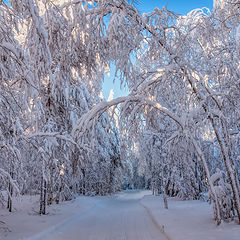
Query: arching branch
[(85, 121)]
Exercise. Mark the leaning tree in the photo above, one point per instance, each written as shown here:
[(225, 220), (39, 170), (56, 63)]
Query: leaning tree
[(186, 68), (180, 68)]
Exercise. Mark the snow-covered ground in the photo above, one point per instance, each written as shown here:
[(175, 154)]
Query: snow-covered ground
[(119, 217), (25, 221), (130, 215), (189, 220)]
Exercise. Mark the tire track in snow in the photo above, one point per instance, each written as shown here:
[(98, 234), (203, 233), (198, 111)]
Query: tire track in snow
[(158, 226)]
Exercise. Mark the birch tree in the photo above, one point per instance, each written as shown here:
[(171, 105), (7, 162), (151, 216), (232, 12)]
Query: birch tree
[(181, 69)]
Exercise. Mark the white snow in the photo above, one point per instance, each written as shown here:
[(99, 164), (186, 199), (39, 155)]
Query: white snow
[(25, 221), (131, 215), (189, 220)]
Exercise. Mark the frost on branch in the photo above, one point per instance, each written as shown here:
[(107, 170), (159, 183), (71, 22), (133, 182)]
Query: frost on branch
[(179, 123)]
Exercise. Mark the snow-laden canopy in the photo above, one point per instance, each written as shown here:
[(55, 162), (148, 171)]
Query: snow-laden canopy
[(179, 124)]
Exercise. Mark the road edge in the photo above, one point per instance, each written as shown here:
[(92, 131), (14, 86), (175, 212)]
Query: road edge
[(159, 226)]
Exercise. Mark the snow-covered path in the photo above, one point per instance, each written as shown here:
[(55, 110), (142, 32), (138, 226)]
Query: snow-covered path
[(115, 218)]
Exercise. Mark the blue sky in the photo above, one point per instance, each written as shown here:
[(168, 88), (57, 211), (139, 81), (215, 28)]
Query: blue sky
[(179, 6)]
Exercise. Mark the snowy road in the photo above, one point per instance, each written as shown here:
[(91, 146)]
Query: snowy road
[(114, 218)]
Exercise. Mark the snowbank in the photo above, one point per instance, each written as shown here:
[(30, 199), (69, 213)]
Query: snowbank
[(184, 220), (189, 220), (25, 220)]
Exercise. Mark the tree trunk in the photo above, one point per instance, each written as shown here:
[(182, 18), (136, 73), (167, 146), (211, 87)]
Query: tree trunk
[(214, 195), (10, 192), (165, 200), (50, 194), (43, 197), (229, 164), (164, 187)]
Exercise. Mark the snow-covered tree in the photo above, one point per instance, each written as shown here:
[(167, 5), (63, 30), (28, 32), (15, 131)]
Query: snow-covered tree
[(182, 68), (182, 111)]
